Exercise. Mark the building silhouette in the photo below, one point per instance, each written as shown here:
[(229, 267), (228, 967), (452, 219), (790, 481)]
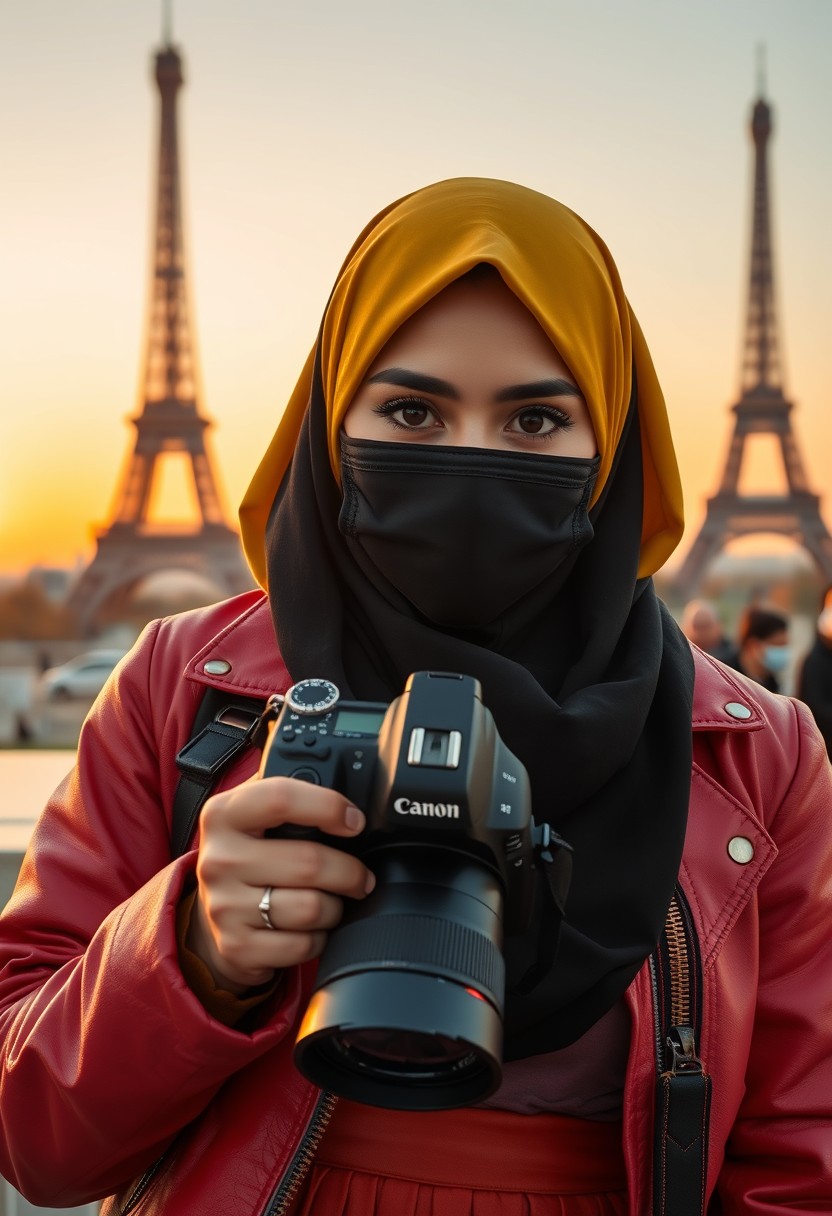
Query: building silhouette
[(170, 421), (762, 409)]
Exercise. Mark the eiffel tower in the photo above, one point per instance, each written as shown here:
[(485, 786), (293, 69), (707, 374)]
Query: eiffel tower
[(132, 547), (761, 410)]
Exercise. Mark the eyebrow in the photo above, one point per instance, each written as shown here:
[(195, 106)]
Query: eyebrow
[(540, 388), (403, 377)]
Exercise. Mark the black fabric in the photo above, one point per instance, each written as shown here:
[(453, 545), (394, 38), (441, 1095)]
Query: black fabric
[(407, 506), (815, 687), (590, 683)]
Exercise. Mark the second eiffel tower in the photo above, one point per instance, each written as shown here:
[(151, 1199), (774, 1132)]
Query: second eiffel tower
[(761, 410)]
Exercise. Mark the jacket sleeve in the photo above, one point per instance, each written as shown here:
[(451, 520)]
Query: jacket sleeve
[(779, 1155), (105, 1053)]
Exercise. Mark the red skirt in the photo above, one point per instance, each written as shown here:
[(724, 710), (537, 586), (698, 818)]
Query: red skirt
[(468, 1162)]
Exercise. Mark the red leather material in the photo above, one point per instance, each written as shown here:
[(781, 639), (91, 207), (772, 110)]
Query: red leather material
[(107, 1054)]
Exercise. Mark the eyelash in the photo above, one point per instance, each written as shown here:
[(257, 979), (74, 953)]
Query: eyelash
[(563, 420), (388, 408)]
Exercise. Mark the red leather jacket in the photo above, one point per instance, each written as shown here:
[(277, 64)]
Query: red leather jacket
[(107, 1054)]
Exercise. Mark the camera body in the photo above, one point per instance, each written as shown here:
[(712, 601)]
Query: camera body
[(430, 769), (407, 1010)]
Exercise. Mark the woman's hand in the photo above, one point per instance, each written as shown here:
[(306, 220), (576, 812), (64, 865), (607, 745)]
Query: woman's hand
[(237, 862)]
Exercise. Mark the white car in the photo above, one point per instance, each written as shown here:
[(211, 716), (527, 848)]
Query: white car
[(84, 676)]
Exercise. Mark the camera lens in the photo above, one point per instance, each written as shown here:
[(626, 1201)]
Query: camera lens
[(406, 1055), (407, 1011), (404, 1071)]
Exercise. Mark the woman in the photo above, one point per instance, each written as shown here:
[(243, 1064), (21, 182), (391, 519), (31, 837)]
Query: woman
[(474, 474)]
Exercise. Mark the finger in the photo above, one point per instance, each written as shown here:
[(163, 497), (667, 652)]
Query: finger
[(272, 801), (239, 954), (303, 910), (309, 865), (231, 863), (275, 949)]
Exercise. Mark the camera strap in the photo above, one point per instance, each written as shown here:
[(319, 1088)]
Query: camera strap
[(223, 727), (553, 861)]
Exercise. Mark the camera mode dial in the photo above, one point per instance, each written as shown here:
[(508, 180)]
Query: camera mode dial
[(312, 696)]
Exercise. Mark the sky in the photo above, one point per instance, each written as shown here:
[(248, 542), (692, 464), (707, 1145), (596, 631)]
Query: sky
[(299, 122)]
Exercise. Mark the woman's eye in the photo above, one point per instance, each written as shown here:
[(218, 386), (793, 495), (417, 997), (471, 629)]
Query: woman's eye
[(413, 415), (408, 414), (540, 421)]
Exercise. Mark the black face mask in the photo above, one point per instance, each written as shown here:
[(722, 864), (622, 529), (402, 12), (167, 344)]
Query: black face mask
[(462, 533)]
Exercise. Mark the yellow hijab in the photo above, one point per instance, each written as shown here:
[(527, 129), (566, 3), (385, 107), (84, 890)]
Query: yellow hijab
[(554, 263)]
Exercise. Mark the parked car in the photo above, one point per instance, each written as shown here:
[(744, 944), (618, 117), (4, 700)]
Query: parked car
[(84, 676)]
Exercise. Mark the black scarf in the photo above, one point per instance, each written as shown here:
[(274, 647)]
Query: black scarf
[(590, 686)]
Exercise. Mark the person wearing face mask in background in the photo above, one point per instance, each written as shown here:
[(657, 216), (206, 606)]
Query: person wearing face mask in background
[(763, 651), (814, 683), (475, 474)]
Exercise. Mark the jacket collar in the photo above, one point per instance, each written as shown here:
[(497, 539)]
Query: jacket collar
[(242, 658), (722, 698)]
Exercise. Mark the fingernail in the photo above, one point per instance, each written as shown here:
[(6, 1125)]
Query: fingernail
[(354, 818), (370, 883)]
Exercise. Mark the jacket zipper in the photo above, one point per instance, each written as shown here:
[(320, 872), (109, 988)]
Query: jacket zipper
[(683, 1089), (142, 1185), (675, 970), (294, 1175), (301, 1163)]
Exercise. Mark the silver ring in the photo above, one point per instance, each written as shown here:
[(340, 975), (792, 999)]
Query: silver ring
[(264, 908)]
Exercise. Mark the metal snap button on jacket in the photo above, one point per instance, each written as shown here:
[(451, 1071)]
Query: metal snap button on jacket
[(740, 850), (217, 667), (737, 710)]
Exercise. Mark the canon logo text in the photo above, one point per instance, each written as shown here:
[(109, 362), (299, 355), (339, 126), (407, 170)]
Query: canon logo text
[(434, 810)]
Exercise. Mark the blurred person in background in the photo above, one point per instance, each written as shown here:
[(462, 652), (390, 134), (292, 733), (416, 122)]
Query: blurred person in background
[(701, 625), (763, 641), (814, 684)]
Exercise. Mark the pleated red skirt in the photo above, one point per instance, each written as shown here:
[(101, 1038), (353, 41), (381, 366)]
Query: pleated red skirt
[(374, 1162)]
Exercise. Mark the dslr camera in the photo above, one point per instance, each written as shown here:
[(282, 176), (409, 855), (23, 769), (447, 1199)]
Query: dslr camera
[(407, 1010)]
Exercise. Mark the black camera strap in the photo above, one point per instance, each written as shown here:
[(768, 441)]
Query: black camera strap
[(553, 862), (224, 726)]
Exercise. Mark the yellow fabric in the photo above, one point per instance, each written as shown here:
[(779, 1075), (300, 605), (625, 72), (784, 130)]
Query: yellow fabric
[(554, 263)]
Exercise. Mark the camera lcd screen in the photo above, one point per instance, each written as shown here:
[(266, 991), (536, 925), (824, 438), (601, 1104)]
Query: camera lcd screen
[(365, 722)]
